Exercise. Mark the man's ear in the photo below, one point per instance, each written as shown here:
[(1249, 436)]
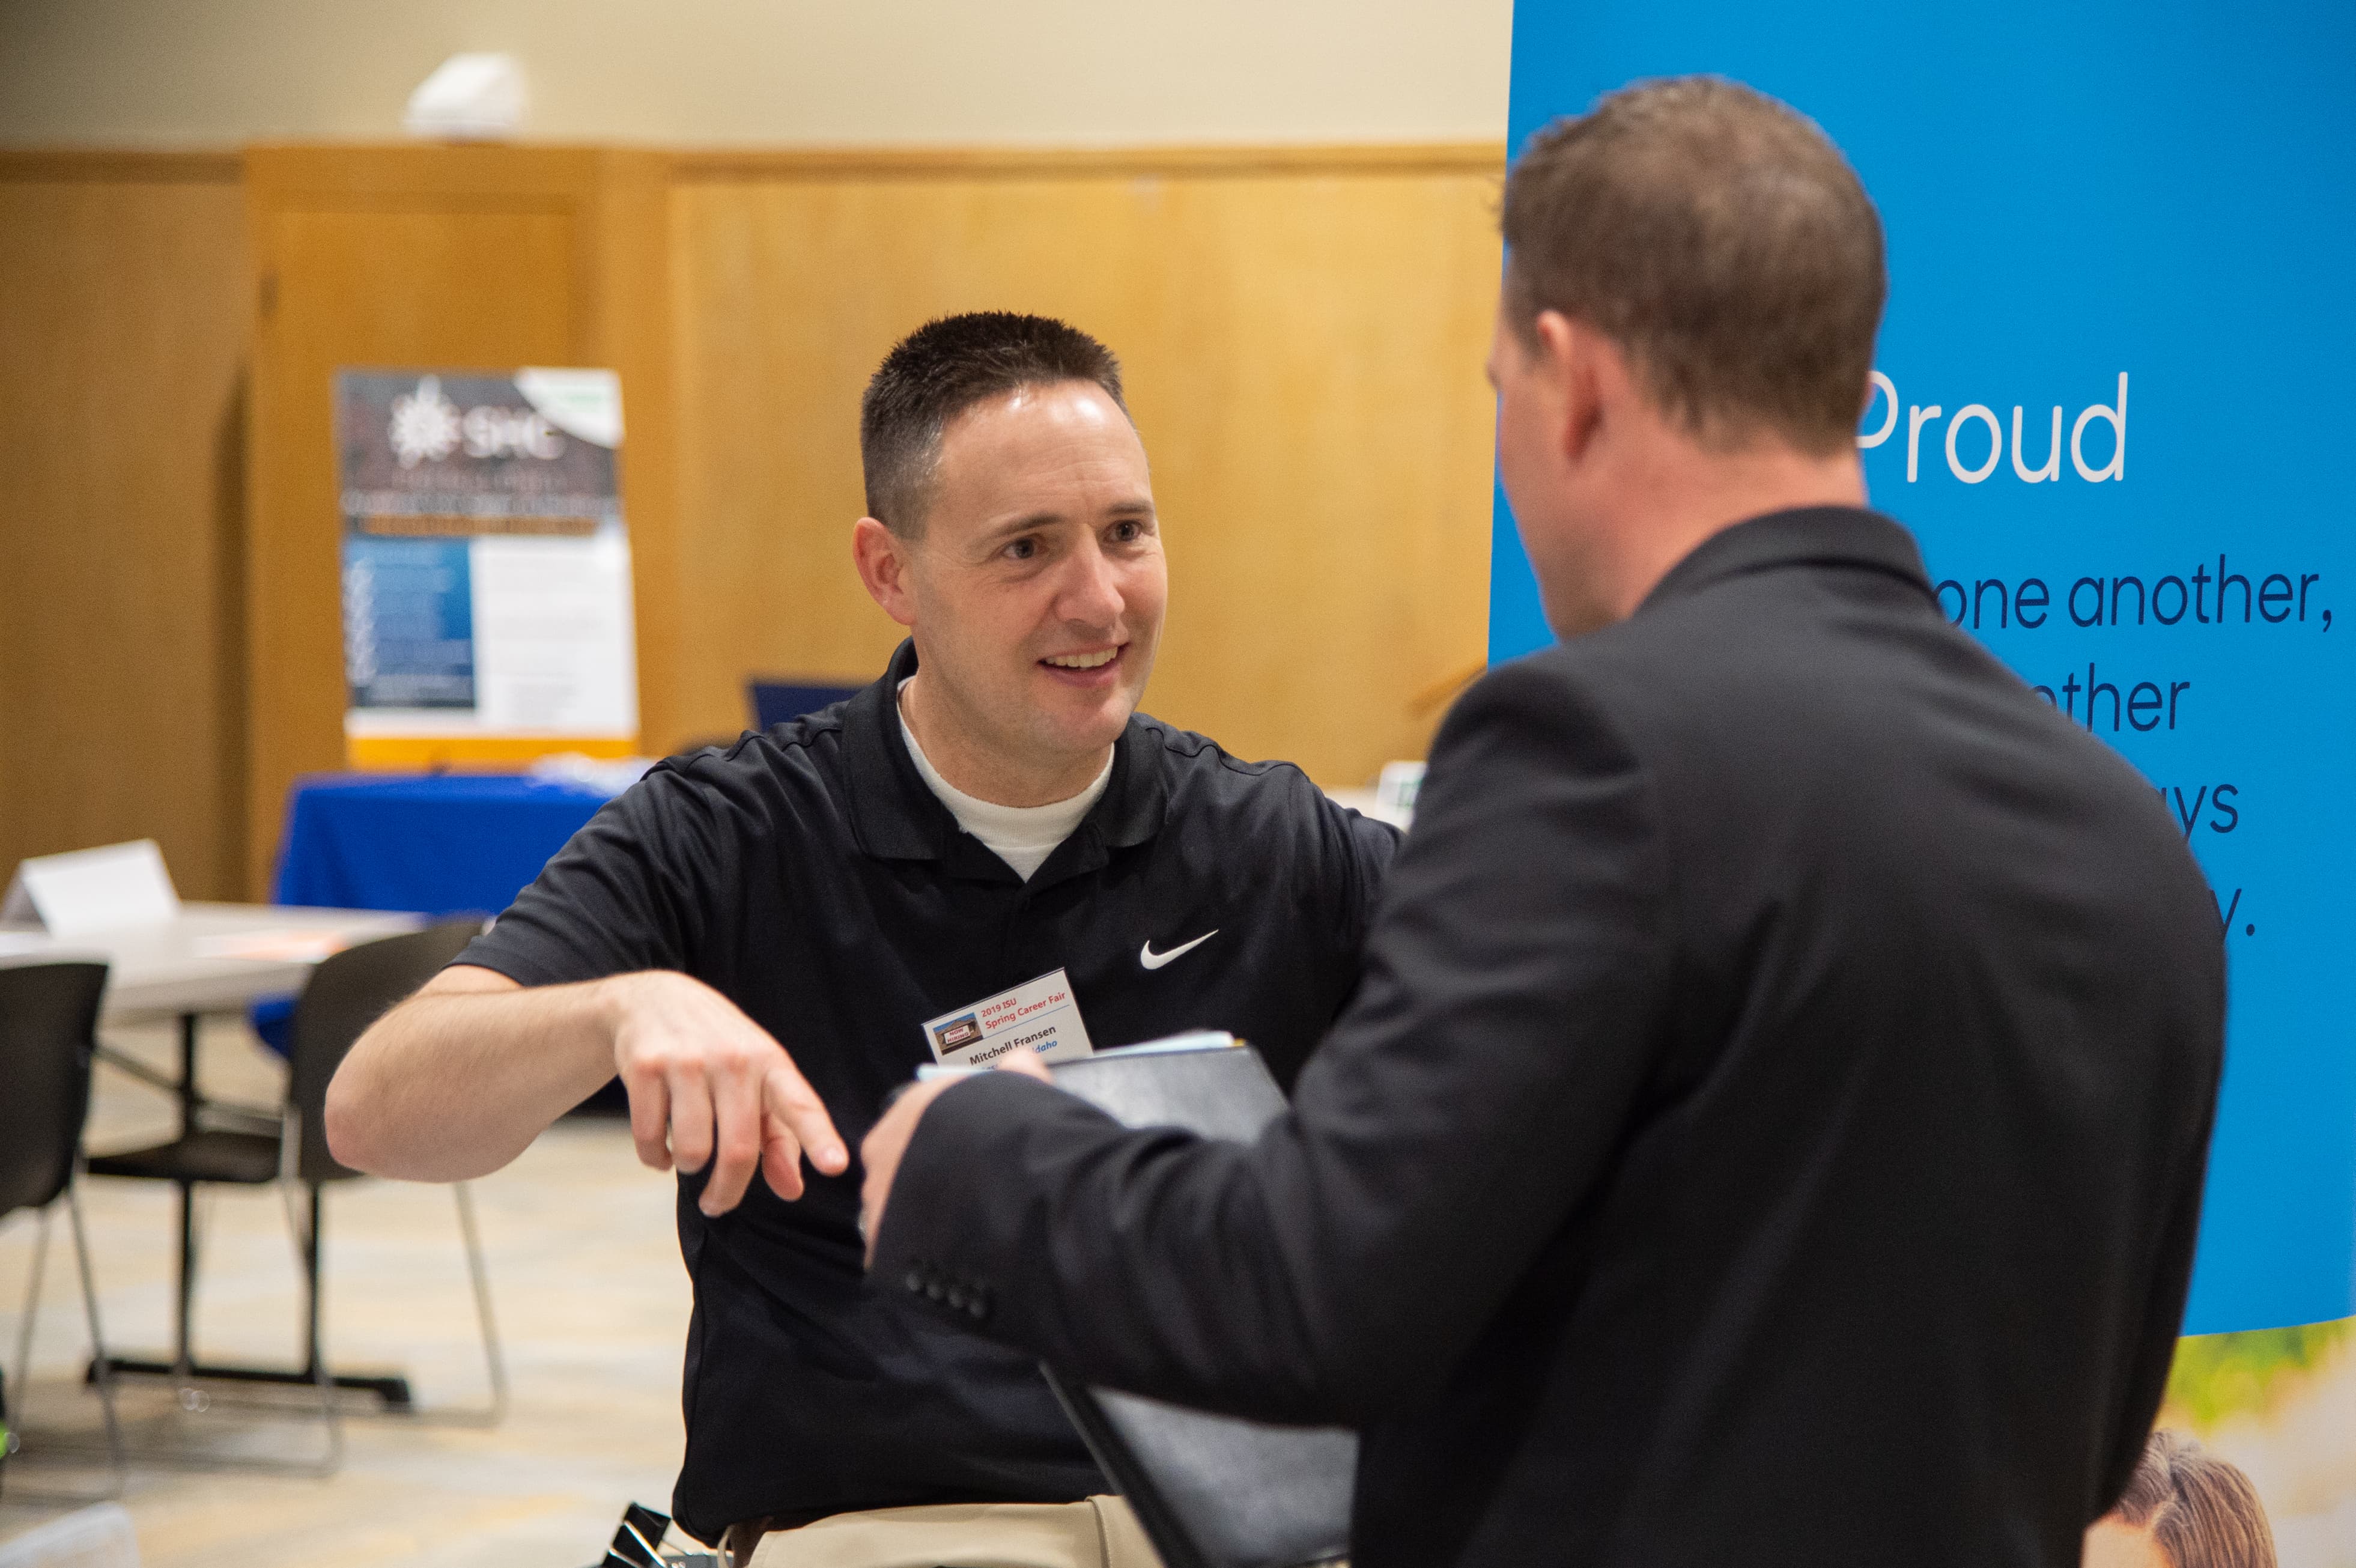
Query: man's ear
[(882, 557), (1581, 367)]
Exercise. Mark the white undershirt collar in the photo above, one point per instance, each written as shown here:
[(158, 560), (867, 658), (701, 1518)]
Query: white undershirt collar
[(1021, 836)]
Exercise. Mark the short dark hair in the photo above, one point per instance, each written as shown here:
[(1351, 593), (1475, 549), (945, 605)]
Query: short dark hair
[(2201, 1511), (1720, 239), (944, 368)]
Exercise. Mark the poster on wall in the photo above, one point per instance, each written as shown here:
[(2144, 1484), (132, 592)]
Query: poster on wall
[(2110, 386), (487, 604)]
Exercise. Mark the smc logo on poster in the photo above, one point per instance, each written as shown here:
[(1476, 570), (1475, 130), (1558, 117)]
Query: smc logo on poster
[(1975, 437), (427, 427)]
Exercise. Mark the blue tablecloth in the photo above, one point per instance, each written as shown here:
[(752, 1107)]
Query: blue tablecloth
[(447, 843), (437, 844)]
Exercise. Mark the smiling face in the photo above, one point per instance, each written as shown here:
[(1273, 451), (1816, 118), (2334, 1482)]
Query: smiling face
[(1035, 591)]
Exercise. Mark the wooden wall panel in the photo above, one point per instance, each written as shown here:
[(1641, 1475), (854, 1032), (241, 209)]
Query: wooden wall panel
[(466, 257), (122, 314), (1302, 334)]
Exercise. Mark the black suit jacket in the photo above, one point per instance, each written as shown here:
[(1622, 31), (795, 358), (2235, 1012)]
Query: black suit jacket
[(1769, 1129)]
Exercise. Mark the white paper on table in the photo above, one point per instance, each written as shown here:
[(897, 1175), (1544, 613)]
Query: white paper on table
[(272, 947), (100, 890)]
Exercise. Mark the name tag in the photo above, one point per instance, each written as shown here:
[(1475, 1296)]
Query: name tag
[(1036, 1016)]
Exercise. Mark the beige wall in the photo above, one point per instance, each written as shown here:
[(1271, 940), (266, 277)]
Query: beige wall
[(766, 72)]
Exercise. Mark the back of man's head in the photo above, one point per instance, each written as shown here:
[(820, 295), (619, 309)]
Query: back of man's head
[(2200, 1510), (1720, 239), (945, 367)]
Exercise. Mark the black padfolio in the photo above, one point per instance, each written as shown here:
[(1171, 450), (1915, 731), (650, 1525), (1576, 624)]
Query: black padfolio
[(1212, 1491)]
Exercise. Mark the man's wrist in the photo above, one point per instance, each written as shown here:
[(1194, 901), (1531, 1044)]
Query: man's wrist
[(617, 998)]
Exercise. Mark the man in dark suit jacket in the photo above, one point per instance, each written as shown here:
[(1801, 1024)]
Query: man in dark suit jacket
[(1771, 1126)]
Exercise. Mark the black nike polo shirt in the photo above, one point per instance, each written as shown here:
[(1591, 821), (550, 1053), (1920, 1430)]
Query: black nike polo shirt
[(809, 876)]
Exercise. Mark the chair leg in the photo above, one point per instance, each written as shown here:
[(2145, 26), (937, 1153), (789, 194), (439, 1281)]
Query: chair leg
[(15, 1403), (307, 1251), (104, 1367), (184, 1331), (481, 1277), (314, 1357)]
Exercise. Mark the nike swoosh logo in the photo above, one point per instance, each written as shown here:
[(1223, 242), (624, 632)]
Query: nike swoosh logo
[(1152, 960)]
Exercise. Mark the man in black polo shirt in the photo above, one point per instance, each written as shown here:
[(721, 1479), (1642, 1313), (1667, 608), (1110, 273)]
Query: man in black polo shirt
[(765, 941)]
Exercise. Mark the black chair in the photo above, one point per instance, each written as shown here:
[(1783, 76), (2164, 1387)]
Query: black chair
[(778, 702), (1211, 1491), (346, 993), (48, 1022)]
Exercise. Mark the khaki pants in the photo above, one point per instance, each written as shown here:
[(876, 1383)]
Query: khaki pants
[(1097, 1533)]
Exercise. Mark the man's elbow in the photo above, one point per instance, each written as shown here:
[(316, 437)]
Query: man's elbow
[(353, 1117), (347, 1123)]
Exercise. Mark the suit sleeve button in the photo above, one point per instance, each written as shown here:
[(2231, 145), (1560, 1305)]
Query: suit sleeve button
[(914, 1281)]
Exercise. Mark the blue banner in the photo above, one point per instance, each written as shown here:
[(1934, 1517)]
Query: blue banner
[(2107, 395)]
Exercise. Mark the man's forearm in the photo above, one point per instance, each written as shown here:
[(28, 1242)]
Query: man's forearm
[(454, 1084)]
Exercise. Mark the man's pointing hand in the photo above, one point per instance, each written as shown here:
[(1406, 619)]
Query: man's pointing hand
[(707, 1084)]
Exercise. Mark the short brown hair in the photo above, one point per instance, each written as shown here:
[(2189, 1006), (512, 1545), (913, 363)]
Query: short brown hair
[(1720, 239), (944, 368), (2201, 1511)]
